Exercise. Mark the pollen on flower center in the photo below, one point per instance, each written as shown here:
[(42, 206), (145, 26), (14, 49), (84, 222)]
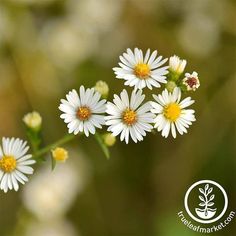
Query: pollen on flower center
[(142, 70), (172, 111), (83, 113), (8, 163), (129, 117)]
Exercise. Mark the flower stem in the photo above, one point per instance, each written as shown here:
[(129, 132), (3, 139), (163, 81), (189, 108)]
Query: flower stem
[(65, 139)]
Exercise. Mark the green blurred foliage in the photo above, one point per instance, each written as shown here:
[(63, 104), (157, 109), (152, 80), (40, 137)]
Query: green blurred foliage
[(49, 47)]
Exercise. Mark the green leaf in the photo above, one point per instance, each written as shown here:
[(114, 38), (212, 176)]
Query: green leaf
[(102, 145), (54, 162)]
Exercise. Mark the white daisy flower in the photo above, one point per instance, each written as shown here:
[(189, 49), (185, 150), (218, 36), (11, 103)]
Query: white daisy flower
[(83, 112), (171, 113), (176, 64), (191, 81), (128, 117), (14, 163), (141, 71)]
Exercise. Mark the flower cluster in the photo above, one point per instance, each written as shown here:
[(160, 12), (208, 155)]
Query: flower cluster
[(127, 115)]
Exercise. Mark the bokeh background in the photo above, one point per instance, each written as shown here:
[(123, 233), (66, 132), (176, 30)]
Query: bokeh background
[(48, 47)]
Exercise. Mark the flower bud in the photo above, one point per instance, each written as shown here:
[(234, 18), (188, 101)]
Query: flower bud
[(176, 65), (60, 154), (191, 81), (33, 120), (109, 139), (102, 88), (170, 85)]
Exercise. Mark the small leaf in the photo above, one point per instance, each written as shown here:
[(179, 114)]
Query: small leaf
[(53, 162), (201, 190), (102, 145), (210, 190), (212, 197), (202, 204), (201, 198), (206, 187), (210, 204)]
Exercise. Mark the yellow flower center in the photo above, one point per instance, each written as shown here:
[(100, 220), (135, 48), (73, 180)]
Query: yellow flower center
[(129, 117), (142, 70), (8, 163), (83, 113), (172, 111)]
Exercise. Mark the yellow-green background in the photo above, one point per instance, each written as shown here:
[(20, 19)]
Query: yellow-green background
[(49, 47)]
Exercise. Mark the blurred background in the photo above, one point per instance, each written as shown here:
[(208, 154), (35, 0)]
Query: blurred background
[(48, 47)]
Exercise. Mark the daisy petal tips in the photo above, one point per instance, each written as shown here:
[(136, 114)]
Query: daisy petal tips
[(140, 70), (83, 112), (171, 113), (14, 163), (128, 117)]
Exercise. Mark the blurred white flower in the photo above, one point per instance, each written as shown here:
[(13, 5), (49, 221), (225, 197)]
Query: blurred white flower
[(6, 25), (99, 16), (150, 6), (199, 35), (50, 193), (67, 43), (34, 2), (57, 227)]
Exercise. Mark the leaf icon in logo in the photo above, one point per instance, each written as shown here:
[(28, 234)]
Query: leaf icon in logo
[(206, 212)]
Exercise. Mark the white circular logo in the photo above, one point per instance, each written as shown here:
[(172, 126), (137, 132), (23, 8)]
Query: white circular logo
[(203, 201)]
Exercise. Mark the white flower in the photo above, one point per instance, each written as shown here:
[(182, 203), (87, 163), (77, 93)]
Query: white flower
[(14, 163), (33, 120), (141, 71), (128, 118), (81, 112), (176, 64), (191, 81), (171, 113), (54, 227), (50, 194), (102, 87)]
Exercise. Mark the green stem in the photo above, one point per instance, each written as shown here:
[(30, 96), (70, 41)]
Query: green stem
[(67, 138)]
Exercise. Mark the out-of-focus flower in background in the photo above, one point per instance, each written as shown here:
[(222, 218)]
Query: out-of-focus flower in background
[(33, 2), (199, 35), (67, 43), (56, 227), (51, 193), (98, 16)]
